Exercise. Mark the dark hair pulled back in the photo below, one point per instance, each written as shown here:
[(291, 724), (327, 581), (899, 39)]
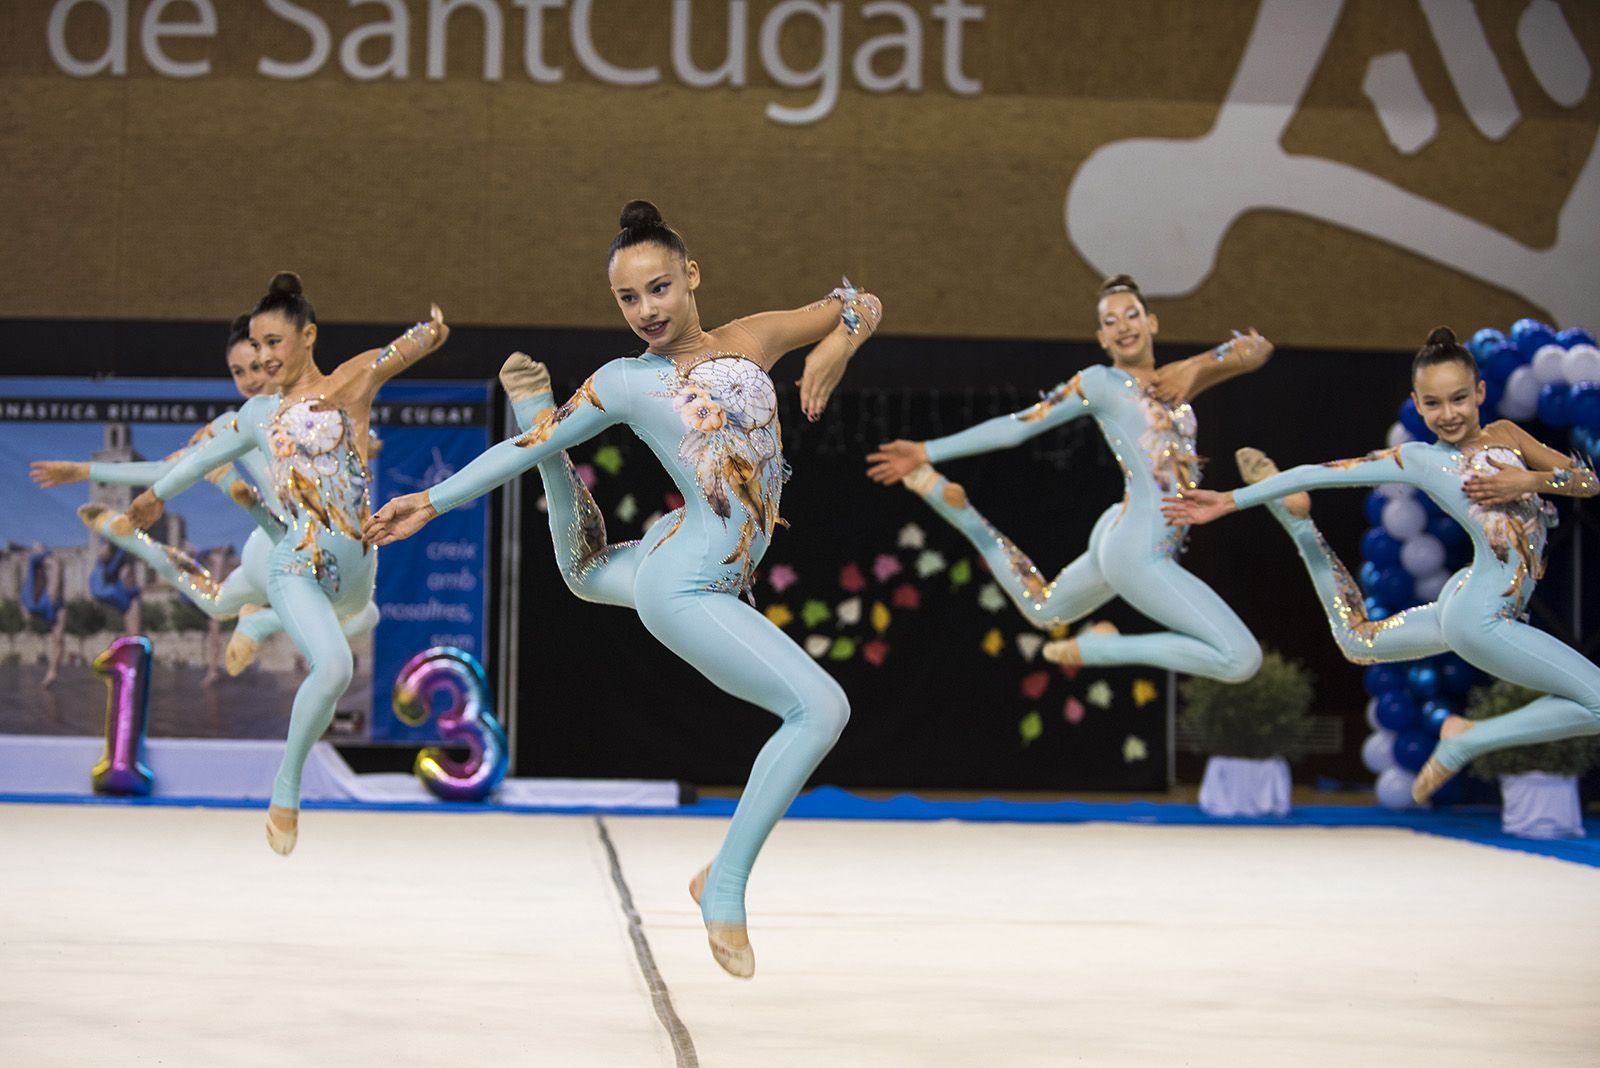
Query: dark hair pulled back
[(1442, 347), (642, 225), (238, 330), (1122, 283), (285, 294)]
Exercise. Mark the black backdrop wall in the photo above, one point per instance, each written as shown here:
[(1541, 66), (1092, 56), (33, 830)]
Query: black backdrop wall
[(943, 694)]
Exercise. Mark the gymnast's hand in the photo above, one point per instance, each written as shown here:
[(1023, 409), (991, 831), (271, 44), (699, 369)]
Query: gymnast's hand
[(1196, 506), (895, 460), (825, 366), (144, 511), (1507, 484), (48, 474), (400, 518), (1175, 382)]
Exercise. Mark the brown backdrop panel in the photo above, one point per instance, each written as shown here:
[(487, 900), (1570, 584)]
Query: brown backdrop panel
[(144, 196)]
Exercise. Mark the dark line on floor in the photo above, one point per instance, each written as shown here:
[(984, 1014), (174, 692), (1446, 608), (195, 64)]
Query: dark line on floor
[(660, 997)]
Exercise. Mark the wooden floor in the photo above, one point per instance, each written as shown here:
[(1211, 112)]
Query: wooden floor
[(172, 936)]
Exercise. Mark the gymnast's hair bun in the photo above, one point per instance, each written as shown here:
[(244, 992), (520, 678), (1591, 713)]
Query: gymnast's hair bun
[(1441, 336), (641, 215), (285, 283)]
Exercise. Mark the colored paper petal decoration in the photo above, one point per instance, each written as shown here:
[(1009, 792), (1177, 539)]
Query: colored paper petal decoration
[(1034, 684), (911, 537), (651, 520), (674, 501), (880, 617), (1030, 728), (818, 644), (608, 458), (1057, 631), (843, 649), (1073, 710), (586, 472), (849, 612), (906, 596), (815, 612), (851, 580), (779, 614), (875, 652), (1144, 691), (1134, 749), (1099, 694), (781, 577), (885, 567), (961, 574), (1070, 670), (990, 599), (1029, 644), (930, 562), (992, 643), (627, 508)]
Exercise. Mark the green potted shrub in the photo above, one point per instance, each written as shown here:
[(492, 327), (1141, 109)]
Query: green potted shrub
[(1538, 783), (1250, 730)]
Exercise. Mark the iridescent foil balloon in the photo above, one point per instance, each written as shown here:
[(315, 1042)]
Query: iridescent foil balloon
[(469, 720), (125, 665)]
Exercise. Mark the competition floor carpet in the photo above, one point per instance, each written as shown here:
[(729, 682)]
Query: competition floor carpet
[(149, 934)]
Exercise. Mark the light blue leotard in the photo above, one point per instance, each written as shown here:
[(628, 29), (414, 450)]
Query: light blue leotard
[(246, 584), (1132, 551), (715, 430), (319, 571), (1478, 612)]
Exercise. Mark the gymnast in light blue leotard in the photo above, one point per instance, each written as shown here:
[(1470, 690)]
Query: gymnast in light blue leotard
[(314, 436), (1144, 414), (243, 592), (1488, 480), (703, 403)]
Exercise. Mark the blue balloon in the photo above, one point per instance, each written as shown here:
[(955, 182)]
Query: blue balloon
[(1483, 340), (1396, 711), (1447, 530), (1529, 336), (1422, 681), (1428, 506), (1368, 577), (1455, 676), (1375, 611), (1395, 588), (1413, 748), (1411, 419), (1379, 547), (1493, 393), (1380, 679), (1583, 405), (1453, 792), (1586, 442), (1572, 335), (1553, 404), (1434, 713), (1374, 508), (1498, 362)]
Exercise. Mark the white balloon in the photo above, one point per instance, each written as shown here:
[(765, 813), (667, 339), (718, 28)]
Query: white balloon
[(1394, 788), (1399, 435), (1428, 587), (1550, 365), (1422, 554), (1372, 716), (1581, 364), (1521, 398), (1403, 518), (1377, 752), (1393, 490)]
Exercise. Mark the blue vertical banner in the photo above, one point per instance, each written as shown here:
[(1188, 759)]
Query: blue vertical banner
[(432, 587)]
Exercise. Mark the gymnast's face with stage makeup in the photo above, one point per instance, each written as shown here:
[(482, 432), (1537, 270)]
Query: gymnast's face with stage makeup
[(1447, 396), (244, 364), (284, 347), (654, 287), (1127, 330)]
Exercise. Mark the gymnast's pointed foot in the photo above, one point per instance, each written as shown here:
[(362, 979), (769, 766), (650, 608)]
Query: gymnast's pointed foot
[(283, 829), (522, 376), (1434, 774), (1066, 652), (730, 946), (697, 885), (1255, 465), (241, 650), (93, 515)]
